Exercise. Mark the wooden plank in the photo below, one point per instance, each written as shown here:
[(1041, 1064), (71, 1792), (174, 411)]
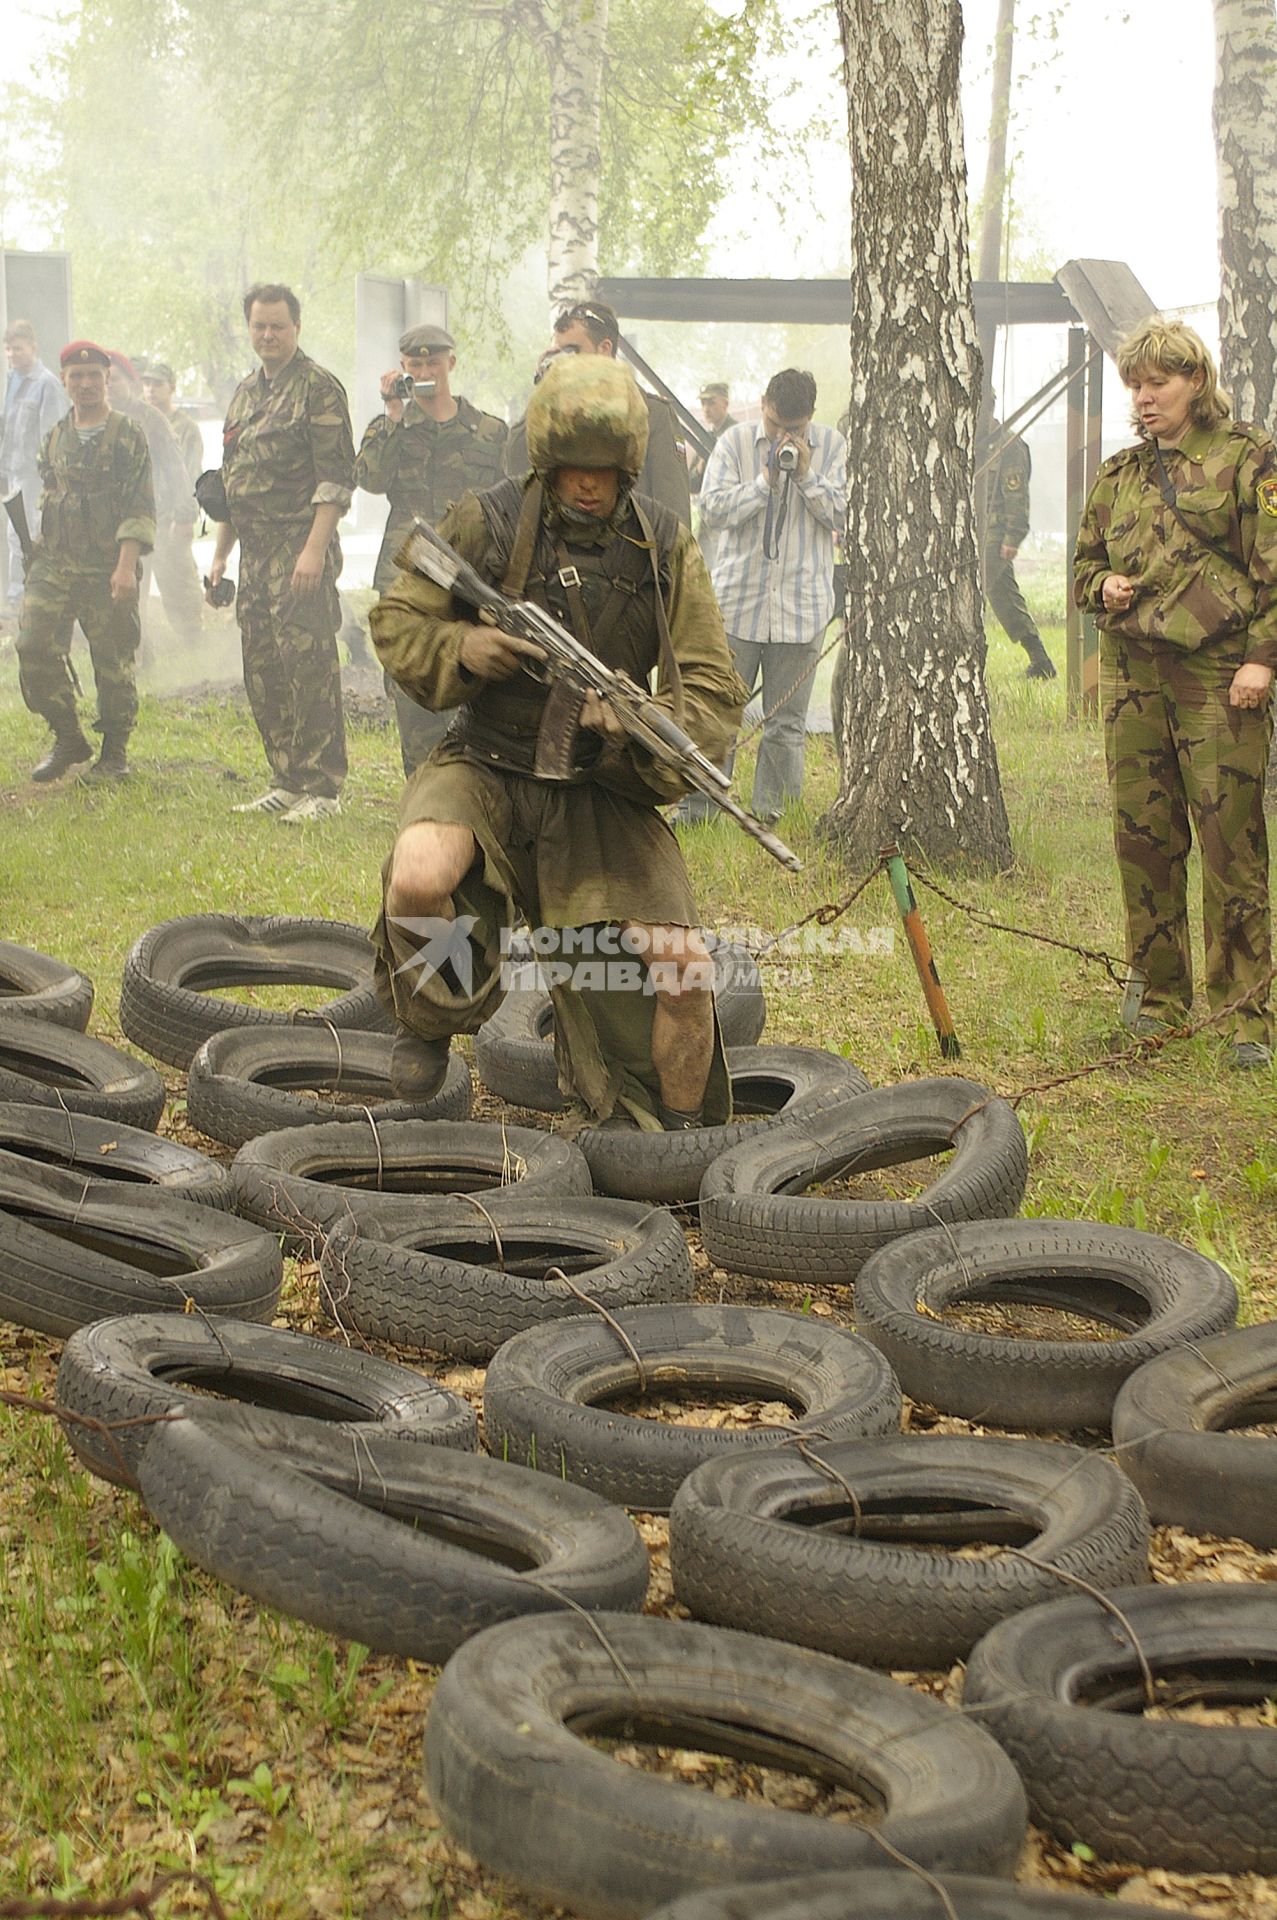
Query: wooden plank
[(1107, 297)]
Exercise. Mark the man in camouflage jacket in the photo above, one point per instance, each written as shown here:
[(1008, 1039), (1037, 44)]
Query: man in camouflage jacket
[(424, 453), (288, 467), (97, 520), (1177, 561), (1009, 472)]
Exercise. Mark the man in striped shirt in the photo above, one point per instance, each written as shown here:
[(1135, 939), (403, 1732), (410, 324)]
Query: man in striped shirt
[(773, 493)]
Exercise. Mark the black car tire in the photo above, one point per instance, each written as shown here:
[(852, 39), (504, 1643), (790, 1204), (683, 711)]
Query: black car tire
[(1170, 1424), (1158, 1293), (118, 1162), (276, 1386), (46, 988), (756, 1218), (167, 1008), (50, 1066), (457, 1288), (67, 1259), (303, 1181), (514, 1782), (1191, 1799), (543, 1389), (767, 1542), (407, 1549), (248, 1081), (888, 1893)]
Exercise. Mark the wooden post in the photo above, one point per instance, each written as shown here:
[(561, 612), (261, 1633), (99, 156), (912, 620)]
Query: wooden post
[(1075, 500), (1090, 704)]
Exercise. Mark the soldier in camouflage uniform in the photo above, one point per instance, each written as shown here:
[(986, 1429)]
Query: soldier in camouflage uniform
[(424, 453), (1009, 472), (289, 469), (173, 562), (1177, 560), (97, 519), (174, 508), (481, 835)]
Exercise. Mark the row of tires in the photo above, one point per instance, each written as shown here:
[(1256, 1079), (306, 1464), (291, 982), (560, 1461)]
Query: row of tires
[(381, 1522)]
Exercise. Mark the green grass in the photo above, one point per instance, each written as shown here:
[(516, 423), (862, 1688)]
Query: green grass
[(152, 1720)]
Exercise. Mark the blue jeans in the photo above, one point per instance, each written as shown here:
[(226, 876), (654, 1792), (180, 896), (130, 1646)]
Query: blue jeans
[(788, 676)]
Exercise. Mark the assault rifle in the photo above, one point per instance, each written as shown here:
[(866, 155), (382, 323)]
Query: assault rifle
[(571, 666), (16, 508)]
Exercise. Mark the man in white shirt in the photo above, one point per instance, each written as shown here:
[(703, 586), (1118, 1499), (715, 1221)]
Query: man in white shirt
[(34, 399), (773, 494)]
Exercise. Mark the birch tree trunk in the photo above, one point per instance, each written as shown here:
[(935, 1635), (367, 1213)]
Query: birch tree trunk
[(1246, 166), (576, 49), (914, 737), (1246, 169)]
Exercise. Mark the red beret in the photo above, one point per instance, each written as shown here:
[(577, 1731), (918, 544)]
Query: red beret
[(122, 361), (84, 353)]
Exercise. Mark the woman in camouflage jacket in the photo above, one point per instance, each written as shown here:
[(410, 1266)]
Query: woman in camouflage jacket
[(1177, 560)]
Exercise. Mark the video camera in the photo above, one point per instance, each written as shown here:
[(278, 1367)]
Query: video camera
[(787, 456), (406, 388)]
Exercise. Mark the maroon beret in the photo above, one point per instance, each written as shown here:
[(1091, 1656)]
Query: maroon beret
[(84, 353)]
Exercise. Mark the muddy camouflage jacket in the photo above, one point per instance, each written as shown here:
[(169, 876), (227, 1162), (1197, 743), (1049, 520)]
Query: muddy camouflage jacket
[(1225, 483), (1009, 476), (96, 493), (287, 448)]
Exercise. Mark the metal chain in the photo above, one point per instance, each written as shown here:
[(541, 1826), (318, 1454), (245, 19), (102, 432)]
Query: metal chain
[(823, 916), (1116, 969)]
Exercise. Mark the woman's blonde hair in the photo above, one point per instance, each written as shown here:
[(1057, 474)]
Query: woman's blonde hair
[(1168, 346)]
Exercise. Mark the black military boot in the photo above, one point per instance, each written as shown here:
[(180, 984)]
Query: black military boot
[(112, 761), (418, 1068), (69, 749)]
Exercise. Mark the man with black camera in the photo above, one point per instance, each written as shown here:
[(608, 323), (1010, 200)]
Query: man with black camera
[(425, 449), (774, 492)]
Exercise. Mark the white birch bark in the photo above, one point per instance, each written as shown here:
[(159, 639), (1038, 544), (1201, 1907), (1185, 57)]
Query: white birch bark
[(575, 50), (914, 736), (1246, 167)]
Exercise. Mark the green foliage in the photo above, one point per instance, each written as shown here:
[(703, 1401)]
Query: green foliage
[(184, 151)]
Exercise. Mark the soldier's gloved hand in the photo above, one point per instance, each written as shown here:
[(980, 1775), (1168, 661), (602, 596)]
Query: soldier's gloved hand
[(1117, 592), (1250, 685), (494, 655)]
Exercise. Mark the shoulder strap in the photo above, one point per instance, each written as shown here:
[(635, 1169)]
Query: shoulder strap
[(519, 564), (1167, 489), (669, 665)]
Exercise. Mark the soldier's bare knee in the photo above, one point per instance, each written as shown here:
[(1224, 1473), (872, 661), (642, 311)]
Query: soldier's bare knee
[(431, 858), (679, 965)]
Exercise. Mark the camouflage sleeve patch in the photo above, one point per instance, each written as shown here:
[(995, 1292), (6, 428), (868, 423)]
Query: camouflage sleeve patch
[(1266, 495)]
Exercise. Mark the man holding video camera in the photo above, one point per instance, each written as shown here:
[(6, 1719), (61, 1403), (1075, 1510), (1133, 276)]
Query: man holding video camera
[(425, 449), (773, 494)]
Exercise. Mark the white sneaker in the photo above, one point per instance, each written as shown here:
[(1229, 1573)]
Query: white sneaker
[(274, 800), (311, 806)]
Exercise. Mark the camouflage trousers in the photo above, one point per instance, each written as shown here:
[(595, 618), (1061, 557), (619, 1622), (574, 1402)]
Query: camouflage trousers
[(1002, 590), (291, 671), (1180, 758), (55, 599)]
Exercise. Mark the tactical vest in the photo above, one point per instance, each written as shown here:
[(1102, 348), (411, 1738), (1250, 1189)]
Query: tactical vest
[(80, 508), (615, 584)]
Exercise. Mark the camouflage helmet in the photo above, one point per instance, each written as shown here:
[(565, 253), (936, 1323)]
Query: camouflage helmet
[(587, 412)]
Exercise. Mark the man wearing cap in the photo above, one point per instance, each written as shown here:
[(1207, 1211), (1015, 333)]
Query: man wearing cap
[(482, 833), (424, 453), (715, 397), (97, 520), (591, 327), (288, 467), (34, 399), (174, 508)]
